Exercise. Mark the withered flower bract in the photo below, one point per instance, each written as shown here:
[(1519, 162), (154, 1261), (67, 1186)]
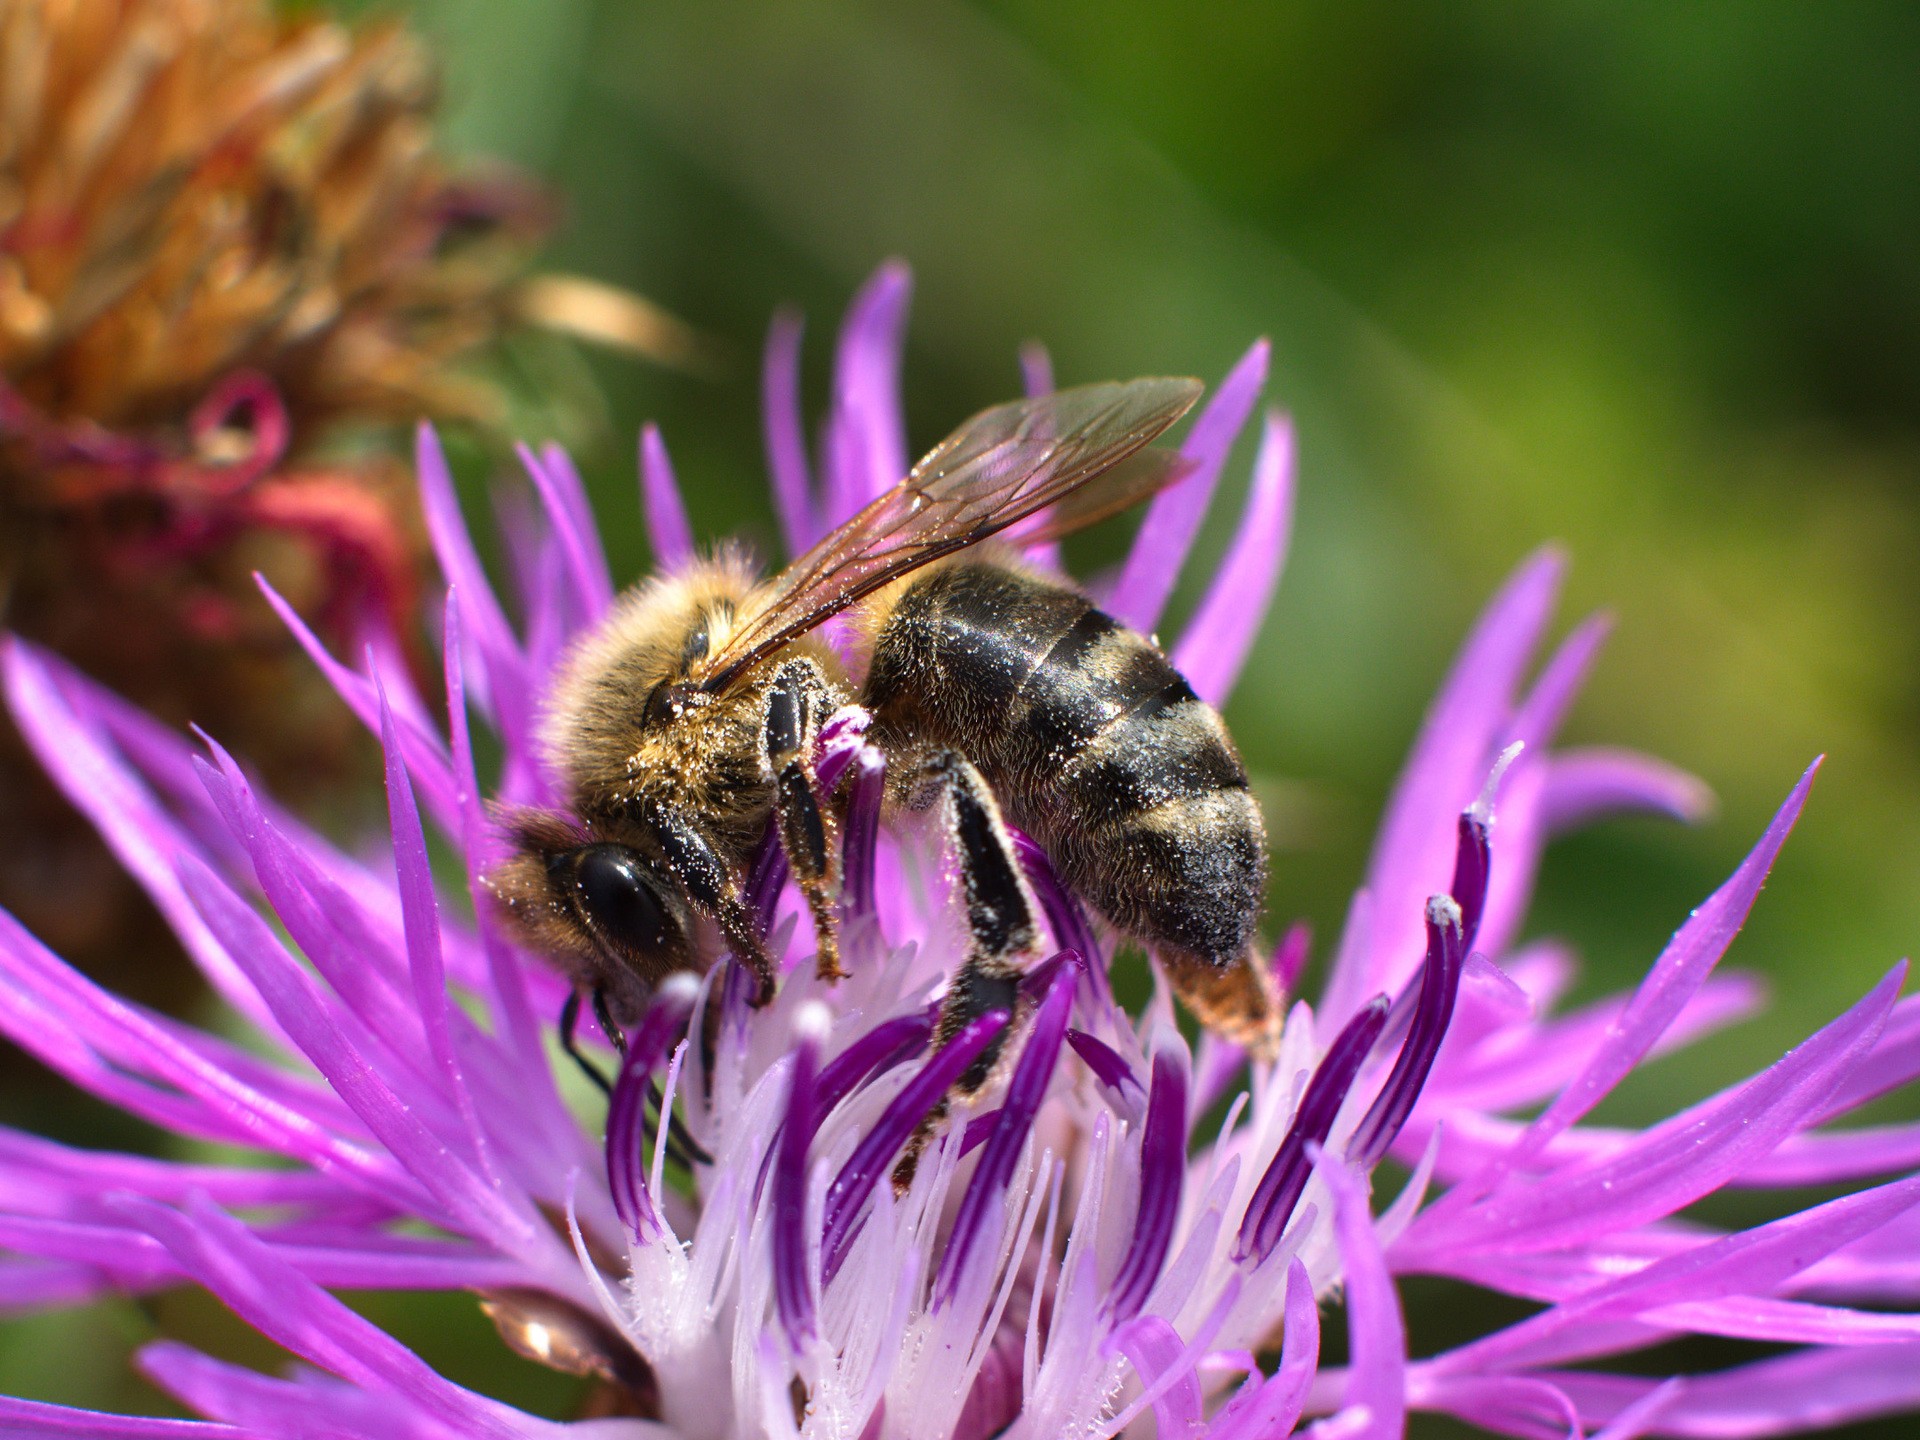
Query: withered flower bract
[(228, 252)]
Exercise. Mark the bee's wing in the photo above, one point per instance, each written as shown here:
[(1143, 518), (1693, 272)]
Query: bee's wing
[(1000, 467)]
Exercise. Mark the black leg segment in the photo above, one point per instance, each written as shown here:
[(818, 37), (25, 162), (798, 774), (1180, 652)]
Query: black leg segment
[(797, 701), (569, 1022)]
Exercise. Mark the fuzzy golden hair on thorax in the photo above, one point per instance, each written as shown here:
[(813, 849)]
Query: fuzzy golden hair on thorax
[(605, 678)]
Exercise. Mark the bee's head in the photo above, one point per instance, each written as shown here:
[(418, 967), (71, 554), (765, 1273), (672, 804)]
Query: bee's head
[(606, 911)]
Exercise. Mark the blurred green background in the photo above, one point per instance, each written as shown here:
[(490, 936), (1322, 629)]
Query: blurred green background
[(1640, 278)]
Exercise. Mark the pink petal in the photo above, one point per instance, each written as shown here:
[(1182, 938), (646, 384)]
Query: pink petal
[(142, 836), (1658, 1173), (425, 752), (1674, 979), (1214, 646), (1172, 521), (866, 443), (1784, 1395), (503, 674), (1376, 1333), (668, 532), (283, 1305), (1585, 784), (786, 438), (26, 1418), (1413, 855), (585, 550), (584, 568)]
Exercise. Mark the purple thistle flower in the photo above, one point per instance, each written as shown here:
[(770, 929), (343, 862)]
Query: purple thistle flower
[(1082, 1251)]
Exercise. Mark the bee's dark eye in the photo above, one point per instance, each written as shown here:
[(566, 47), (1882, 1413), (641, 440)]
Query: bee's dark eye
[(617, 899)]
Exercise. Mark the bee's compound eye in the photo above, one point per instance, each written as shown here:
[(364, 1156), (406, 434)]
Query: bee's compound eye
[(619, 901)]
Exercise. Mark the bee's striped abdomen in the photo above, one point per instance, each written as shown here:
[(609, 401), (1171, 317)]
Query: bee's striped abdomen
[(1094, 743)]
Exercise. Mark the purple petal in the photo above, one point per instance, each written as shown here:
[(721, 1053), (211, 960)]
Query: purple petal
[(1439, 987), (1215, 643), (1446, 770), (161, 755), (33, 1167), (169, 1074), (1172, 521), (1502, 1404), (865, 428), (289, 1309), (1834, 1157), (793, 1282), (356, 960), (502, 665), (668, 532), (1163, 1154), (570, 492), (1065, 917), (476, 1205), (1036, 369), (334, 1256), (141, 835), (1290, 955), (426, 963), (766, 879), (1286, 1176), (131, 1260), (1895, 1062), (1107, 1064), (1674, 980), (425, 754), (889, 1044), (1733, 1267), (1538, 719), (30, 1285), (1265, 1408), (874, 1154), (786, 436), (1531, 1064), (31, 1417), (1791, 1394), (553, 618), (860, 848), (306, 1404), (1032, 1076), (1376, 1334), (1159, 1357), (1217, 1065), (512, 1005), (659, 1032), (589, 589), (1585, 785), (1668, 1167)]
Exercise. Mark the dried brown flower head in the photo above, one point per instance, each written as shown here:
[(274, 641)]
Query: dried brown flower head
[(228, 250)]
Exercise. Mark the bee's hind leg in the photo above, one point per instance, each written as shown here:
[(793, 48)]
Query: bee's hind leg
[(1000, 923), (798, 700)]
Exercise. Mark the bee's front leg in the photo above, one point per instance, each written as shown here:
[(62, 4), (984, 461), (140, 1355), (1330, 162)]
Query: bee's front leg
[(715, 890), (797, 701), (570, 1042), (1003, 936)]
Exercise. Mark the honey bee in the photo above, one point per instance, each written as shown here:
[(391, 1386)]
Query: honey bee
[(688, 724)]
